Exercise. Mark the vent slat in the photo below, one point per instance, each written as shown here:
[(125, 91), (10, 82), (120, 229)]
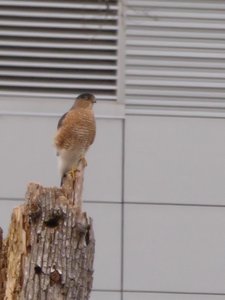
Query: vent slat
[(177, 24), (56, 85), (96, 5), (61, 75), (192, 5), (52, 94), (90, 16), (56, 64), (50, 54), (88, 36), (56, 45), (57, 25), (137, 33)]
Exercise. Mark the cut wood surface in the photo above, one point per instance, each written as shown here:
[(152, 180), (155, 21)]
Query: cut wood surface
[(50, 245)]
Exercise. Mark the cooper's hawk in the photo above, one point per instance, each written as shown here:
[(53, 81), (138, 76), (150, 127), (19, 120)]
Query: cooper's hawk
[(76, 132)]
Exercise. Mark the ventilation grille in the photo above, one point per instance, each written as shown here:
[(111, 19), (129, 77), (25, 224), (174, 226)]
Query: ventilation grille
[(175, 54), (58, 48)]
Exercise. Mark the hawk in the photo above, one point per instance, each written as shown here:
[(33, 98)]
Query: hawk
[(75, 133)]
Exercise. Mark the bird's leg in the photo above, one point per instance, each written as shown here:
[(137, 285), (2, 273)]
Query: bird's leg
[(73, 173)]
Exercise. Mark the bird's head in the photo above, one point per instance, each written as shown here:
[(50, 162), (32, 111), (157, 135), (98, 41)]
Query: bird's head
[(85, 100)]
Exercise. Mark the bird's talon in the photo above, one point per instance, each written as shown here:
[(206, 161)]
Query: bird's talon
[(73, 173)]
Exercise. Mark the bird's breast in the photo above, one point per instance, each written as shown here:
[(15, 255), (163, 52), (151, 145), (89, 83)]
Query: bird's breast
[(78, 130)]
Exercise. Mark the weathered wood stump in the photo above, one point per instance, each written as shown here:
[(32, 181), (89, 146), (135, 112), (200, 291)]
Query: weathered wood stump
[(50, 245)]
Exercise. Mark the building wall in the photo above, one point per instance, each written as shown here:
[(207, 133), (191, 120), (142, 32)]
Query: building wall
[(154, 184), (174, 207), (174, 150)]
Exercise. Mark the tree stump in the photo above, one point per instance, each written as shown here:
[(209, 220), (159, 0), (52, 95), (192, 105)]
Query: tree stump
[(49, 251)]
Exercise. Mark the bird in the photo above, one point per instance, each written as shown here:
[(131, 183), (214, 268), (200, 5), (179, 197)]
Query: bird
[(76, 131)]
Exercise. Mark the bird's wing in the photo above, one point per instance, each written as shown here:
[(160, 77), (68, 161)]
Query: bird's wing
[(61, 120), (93, 137), (60, 124)]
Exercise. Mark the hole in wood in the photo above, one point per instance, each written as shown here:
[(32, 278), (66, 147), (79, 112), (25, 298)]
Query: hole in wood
[(52, 222), (53, 219), (38, 237), (87, 236), (37, 270)]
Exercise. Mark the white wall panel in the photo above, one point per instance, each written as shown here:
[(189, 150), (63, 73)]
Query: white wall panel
[(174, 249), (105, 296), (107, 228), (154, 296), (6, 208), (178, 160), (27, 154), (103, 181)]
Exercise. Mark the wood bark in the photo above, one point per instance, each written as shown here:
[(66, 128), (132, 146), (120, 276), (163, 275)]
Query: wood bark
[(3, 265), (50, 245)]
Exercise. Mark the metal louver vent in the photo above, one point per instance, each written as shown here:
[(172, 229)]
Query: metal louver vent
[(175, 54), (58, 48)]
